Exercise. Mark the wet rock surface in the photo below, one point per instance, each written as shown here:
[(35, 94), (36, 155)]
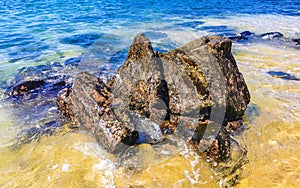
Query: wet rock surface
[(178, 92), (90, 98)]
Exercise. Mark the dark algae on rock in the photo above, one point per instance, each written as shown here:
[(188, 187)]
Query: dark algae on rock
[(88, 105), (183, 92)]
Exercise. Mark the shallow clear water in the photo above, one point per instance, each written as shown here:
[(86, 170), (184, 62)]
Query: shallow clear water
[(34, 32)]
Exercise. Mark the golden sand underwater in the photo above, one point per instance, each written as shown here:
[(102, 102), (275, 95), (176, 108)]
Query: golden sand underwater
[(272, 137)]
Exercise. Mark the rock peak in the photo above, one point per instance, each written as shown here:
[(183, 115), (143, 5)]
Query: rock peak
[(140, 48), (140, 38)]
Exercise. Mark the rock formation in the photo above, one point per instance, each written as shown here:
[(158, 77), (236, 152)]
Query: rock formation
[(179, 92)]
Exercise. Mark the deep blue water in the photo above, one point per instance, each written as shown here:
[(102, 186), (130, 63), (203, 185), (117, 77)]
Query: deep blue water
[(47, 31)]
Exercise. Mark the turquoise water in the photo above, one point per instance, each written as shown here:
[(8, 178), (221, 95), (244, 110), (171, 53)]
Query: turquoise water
[(57, 38), (36, 31)]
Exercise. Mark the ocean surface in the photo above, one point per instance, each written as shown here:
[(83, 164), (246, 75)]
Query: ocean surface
[(55, 39)]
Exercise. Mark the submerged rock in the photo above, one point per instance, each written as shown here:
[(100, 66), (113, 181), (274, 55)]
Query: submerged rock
[(283, 75), (271, 37), (33, 82), (243, 36), (83, 40), (25, 87), (177, 92), (296, 41)]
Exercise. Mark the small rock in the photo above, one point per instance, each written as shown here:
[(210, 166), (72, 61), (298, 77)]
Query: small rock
[(271, 35)]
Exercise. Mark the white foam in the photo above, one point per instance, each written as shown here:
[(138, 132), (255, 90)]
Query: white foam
[(90, 149), (55, 166), (65, 167), (105, 168), (165, 152)]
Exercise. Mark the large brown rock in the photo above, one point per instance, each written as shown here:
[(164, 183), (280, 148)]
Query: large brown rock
[(88, 104), (184, 86), (181, 92), (166, 88), (227, 87)]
